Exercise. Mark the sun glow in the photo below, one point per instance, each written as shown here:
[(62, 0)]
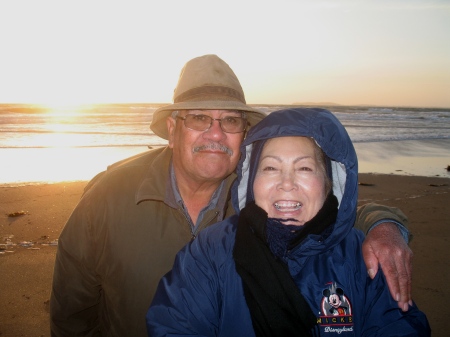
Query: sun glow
[(60, 130), (65, 109)]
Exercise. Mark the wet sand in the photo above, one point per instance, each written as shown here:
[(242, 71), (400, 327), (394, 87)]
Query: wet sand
[(26, 270)]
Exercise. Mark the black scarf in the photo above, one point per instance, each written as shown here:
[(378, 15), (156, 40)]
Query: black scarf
[(276, 305)]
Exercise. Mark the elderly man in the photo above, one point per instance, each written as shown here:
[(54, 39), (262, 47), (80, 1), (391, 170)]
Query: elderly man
[(126, 230)]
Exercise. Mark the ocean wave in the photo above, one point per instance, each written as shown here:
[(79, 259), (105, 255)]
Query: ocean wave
[(128, 124)]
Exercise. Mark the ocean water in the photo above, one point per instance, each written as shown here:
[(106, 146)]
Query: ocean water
[(43, 144)]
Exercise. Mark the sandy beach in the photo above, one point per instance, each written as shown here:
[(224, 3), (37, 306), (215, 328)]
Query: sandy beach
[(32, 217)]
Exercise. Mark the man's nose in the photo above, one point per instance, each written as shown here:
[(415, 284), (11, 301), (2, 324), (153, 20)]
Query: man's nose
[(215, 131)]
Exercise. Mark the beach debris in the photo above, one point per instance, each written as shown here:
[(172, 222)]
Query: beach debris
[(26, 244), (366, 184), (51, 243), (16, 214), (7, 244), (437, 185), (7, 241)]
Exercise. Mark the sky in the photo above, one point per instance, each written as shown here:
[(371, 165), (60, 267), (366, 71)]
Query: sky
[(350, 52)]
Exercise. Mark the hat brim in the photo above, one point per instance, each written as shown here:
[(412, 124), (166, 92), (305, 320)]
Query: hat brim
[(159, 126)]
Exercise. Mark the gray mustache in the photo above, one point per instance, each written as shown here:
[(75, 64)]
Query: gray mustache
[(214, 146)]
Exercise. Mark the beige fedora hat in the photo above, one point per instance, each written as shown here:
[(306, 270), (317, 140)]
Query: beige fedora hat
[(205, 83)]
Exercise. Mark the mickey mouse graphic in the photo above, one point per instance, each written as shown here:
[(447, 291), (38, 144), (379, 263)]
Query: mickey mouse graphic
[(334, 302)]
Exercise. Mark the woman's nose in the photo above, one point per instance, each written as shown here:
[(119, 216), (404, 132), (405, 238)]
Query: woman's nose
[(288, 182)]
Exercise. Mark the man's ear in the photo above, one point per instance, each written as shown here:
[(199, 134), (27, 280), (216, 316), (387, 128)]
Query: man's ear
[(171, 124)]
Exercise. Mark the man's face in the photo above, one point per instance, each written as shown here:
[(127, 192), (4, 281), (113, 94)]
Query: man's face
[(204, 156)]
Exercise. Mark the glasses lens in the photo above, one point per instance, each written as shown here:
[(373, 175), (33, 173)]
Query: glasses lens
[(233, 124), (198, 122), (230, 124)]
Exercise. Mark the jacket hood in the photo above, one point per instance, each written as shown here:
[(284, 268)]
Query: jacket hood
[(333, 139)]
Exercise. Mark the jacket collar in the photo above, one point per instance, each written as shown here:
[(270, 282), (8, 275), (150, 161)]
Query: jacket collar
[(156, 183)]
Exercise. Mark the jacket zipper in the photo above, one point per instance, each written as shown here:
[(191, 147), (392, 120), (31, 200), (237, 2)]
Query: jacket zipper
[(189, 222), (195, 231)]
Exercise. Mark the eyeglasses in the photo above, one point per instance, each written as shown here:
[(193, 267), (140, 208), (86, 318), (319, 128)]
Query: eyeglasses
[(229, 124)]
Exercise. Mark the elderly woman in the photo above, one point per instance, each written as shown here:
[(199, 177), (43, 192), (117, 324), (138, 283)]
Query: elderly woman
[(290, 262)]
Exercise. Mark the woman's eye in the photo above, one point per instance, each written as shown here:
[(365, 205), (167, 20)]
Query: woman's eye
[(269, 168), (304, 168)]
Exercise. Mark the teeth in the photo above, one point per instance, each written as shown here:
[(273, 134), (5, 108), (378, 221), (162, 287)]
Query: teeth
[(290, 206)]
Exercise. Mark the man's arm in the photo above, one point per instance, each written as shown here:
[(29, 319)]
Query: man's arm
[(386, 244), (75, 298)]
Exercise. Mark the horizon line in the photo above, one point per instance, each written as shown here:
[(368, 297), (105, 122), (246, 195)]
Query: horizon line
[(250, 104)]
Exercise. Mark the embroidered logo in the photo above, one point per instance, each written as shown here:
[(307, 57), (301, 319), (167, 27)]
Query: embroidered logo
[(336, 310)]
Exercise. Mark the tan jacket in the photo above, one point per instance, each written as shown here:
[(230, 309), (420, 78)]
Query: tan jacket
[(121, 239)]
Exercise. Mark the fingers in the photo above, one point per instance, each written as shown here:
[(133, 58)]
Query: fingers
[(396, 268), (403, 262), (390, 272), (386, 245), (370, 259)]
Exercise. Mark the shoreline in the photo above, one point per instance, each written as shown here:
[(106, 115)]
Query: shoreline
[(429, 158), (27, 267)]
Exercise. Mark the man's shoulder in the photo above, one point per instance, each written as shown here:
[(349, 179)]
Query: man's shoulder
[(128, 168), (141, 159)]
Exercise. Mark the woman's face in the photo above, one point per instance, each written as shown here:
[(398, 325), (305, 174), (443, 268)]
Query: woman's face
[(290, 182)]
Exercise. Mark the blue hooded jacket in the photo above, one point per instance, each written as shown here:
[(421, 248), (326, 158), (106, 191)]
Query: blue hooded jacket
[(203, 294)]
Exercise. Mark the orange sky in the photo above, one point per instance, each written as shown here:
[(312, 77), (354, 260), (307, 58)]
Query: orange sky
[(385, 52)]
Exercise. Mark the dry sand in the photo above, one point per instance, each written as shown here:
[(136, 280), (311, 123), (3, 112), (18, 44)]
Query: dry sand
[(26, 272)]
